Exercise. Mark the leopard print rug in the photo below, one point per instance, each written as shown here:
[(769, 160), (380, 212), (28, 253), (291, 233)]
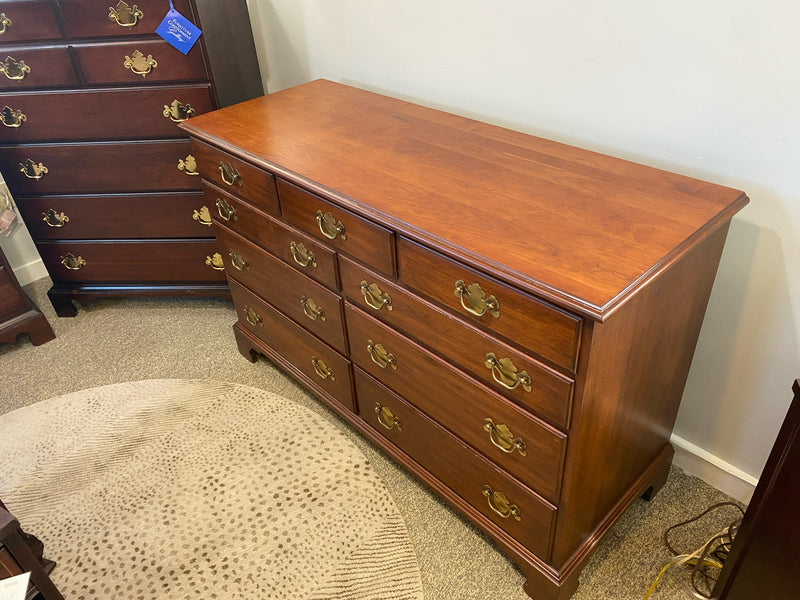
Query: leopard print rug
[(201, 489)]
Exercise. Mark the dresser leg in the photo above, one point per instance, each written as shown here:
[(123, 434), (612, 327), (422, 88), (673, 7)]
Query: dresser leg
[(62, 303), (246, 348), (659, 479), (540, 587), (40, 331)]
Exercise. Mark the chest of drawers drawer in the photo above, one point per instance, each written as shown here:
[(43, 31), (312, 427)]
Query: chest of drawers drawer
[(28, 20), (89, 18), (24, 67)]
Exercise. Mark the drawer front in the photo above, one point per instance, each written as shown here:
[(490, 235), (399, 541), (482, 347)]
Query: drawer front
[(524, 380), (319, 363), (107, 166), (360, 238), (456, 465), (135, 261), (138, 61), (236, 176), (25, 67), (288, 244), (136, 113), (10, 299), (541, 328), (303, 300), (90, 18), (459, 404), (28, 20), (124, 216)]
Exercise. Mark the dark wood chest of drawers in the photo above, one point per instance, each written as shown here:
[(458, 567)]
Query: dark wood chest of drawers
[(90, 99), (511, 319)]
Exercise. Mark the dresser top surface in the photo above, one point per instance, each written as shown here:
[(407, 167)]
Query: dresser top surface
[(583, 229)]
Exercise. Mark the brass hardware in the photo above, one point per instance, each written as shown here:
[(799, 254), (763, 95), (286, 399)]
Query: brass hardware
[(252, 316), (229, 174), (54, 219), (474, 300), (238, 261), (202, 216), (323, 370), (502, 437), (188, 165), (380, 356), (215, 262), (311, 309), (499, 504), (11, 117), (13, 69), (139, 64), (124, 15), (329, 226), (72, 262), (505, 373), (225, 210), (177, 112), (386, 418), (302, 255), (31, 170), (374, 297), (4, 22)]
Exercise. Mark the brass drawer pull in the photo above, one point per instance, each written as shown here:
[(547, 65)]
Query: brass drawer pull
[(238, 261), (374, 297), (202, 216), (4, 22), (323, 370), (31, 170), (386, 418), (505, 373), (177, 112), (329, 226), (188, 165), (499, 504), (54, 219), (72, 262), (140, 65), (13, 69), (215, 262), (225, 210), (11, 117), (502, 437), (302, 255), (229, 174), (252, 316), (474, 300), (380, 356), (311, 309), (124, 15)]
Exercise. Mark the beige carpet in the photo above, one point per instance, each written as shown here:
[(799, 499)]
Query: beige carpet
[(201, 489)]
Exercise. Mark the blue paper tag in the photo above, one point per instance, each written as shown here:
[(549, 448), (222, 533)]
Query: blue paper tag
[(178, 30)]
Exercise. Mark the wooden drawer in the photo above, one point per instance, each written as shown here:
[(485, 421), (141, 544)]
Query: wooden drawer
[(294, 248), (10, 299), (363, 239), (140, 261), (456, 465), (308, 303), (45, 66), (110, 114), (117, 217), (106, 63), (534, 386), (320, 364), (90, 18), (99, 166), (549, 332), (28, 20), (236, 176), (263, 203), (460, 404)]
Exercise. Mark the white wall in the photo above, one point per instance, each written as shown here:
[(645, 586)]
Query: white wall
[(709, 89)]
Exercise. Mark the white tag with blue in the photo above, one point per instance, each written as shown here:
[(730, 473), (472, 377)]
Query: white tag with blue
[(178, 30)]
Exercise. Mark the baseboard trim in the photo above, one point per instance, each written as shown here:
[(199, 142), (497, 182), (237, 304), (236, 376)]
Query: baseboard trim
[(713, 470), (30, 272)]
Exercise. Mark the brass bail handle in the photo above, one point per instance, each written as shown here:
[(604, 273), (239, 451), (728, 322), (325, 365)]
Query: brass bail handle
[(252, 316), (14, 69), (500, 504), (139, 63), (475, 301), (505, 373), (215, 262), (12, 118), (386, 418), (202, 216), (380, 356), (55, 219), (32, 170), (225, 210), (230, 176), (302, 255), (4, 22), (311, 309), (329, 226), (238, 261), (374, 297), (125, 15), (72, 262), (321, 369), (502, 438)]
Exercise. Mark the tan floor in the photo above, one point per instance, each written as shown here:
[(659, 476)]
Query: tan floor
[(113, 341)]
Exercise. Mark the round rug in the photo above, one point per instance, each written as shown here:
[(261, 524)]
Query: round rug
[(201, 489)]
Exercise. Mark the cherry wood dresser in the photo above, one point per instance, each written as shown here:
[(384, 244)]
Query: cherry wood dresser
[(90, 98), (17, 313), (510, 318)]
